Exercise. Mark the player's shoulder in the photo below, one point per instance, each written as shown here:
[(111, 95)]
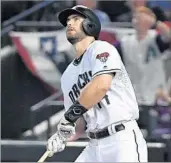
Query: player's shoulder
[(102, 45)]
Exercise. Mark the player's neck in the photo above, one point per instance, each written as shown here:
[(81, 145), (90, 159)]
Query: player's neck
[(81, 47)]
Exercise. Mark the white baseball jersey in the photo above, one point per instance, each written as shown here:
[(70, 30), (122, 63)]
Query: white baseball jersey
[(119, 103)]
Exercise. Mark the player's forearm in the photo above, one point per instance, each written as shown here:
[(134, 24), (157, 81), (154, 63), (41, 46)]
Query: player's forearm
[(95, 91), (90, 96), (164, 30)]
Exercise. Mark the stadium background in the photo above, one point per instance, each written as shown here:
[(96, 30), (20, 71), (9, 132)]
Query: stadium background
[(31, 99)]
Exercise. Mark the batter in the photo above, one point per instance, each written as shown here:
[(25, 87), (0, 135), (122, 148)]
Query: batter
[(98, 96)]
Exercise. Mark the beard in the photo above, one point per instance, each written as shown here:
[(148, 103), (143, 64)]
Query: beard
[(73, 39)]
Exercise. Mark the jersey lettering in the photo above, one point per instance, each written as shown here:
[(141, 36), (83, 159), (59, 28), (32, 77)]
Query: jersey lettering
[(90, 73), (106, 98), (81, 82), (71, 96), (75, 90), (83, 79)]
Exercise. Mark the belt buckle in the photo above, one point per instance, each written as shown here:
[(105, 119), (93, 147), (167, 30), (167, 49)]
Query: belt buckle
[(92, 135)]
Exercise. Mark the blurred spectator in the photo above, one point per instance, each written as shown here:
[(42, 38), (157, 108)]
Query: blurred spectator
[(121, 11), (133, 4), (92, 4), (141, 54)]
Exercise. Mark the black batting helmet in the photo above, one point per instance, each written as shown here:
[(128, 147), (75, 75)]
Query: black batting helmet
[(91, 24)]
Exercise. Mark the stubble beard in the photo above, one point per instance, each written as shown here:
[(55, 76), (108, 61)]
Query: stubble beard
[(76, 38)]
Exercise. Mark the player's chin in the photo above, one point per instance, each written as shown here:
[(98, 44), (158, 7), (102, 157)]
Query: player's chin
[(72, 39), (70, 36)]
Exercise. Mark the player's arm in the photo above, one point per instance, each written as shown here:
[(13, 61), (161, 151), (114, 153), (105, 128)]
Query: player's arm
[(90, 96), (95, 90)]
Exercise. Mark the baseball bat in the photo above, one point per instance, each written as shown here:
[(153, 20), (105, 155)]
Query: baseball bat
[(44, 156)]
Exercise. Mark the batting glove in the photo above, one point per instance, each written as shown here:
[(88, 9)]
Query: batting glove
[(55, 144), (66, 129)]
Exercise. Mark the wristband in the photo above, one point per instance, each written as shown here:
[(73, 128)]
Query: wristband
[(75, 112)]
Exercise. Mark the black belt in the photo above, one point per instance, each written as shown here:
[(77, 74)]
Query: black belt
[(104, 132)]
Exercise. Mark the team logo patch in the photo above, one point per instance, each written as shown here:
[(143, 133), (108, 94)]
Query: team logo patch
[(103, 56)]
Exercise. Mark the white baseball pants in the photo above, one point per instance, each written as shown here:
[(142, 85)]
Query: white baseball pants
[(124, 146)]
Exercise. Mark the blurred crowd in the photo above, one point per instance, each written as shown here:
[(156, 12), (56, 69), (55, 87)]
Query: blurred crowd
[(142, 52), (115, 11)]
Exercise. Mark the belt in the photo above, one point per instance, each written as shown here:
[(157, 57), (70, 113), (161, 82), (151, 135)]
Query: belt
[(107, 131)]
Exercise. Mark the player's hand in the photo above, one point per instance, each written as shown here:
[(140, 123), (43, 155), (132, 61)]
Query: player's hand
[(66, 129), (55, 144)]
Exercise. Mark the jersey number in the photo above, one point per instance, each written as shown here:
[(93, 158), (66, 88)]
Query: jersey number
[(106, 98)]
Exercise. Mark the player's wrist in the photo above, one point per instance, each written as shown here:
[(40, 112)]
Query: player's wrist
[(75, 112)]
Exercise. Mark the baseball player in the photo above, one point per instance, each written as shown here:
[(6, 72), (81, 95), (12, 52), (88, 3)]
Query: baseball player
[(98, 96)]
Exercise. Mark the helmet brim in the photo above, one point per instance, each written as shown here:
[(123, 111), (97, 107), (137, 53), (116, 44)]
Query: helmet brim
[(63, 15)]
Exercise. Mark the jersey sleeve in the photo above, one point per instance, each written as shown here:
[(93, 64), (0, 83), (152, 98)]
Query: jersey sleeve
[(105, 59)]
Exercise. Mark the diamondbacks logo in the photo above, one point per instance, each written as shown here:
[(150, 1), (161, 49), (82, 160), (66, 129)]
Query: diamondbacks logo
[(103, 56)]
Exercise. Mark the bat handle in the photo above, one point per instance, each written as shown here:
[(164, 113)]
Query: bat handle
[(44, 156)]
